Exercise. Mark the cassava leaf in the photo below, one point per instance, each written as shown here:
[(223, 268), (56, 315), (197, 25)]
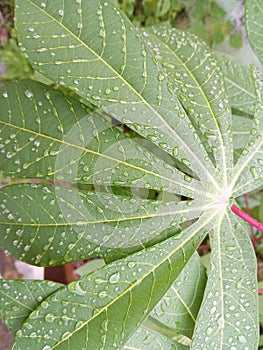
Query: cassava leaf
[(105, 71), (112, 301), (239, 84), (241, 131), (19, 298), (147, 339), (47, 225), (195, 76), (179, 307), (229, 313), (253, 15), (248, 172), (93, 49), (41, 129)]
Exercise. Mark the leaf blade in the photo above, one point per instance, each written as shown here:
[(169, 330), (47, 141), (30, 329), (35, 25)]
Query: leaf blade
[(148, 268), (253, 15), (179, 307), (127, 86), (195, 76), (20, 297), (58, 128), (248, 172), (50, 225), (230, 303)]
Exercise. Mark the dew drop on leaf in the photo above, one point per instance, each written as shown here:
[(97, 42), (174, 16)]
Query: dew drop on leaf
[(114, 278), (102, 294)]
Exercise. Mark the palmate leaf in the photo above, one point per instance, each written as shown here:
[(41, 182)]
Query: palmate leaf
[(113, 301), (92, 48), (182, 53), (39, 134)]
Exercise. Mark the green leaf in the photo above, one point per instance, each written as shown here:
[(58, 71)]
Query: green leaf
[(189, 63), (179, 307), (89, 267), (116, 297), (229, 313), (239, 84), (148, 339), (19, 298), (248, 172), (162, 8), (93, 49), (253, 16), (236, 41), (47, 225), (217, 13), (241, 131), (105, 71), (42, 129)]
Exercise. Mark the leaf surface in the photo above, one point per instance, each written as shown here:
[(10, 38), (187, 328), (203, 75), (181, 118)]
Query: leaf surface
[(196, 78), (114, 299), (239, 84), (19, 298), (105, 71), (42, 129), (248, 172), (228, 317), (47, 225), (179, 307), (147, 339), (253, 15)]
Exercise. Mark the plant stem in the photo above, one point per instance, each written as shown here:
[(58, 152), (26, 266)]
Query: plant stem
[(246, 217), (253, 237)]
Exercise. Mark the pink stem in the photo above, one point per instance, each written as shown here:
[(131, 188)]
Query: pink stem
[(253, 237), (253, 222), (260, 291)]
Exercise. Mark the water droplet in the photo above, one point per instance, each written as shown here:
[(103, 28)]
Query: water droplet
[(66, 335), (209, 330), (50, 318), (115, 278), (254, 172), (76, 81), (31, 29), (102, 294), (242, 339), (131, 264), (43, 5), (61, 12), (5, 94), (28, 94), (187, 178), (10, 216)]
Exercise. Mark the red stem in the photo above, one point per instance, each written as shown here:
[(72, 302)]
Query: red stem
[(253, 222), (253, 237)]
